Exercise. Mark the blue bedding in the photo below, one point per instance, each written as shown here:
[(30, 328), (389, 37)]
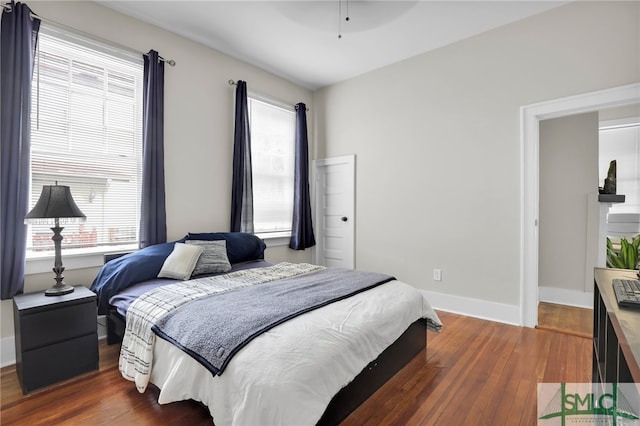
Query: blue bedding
[(145, 264), (120, 273), (124, 298)]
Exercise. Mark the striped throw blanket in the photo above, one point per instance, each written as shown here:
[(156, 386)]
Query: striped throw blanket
[(136, 353)]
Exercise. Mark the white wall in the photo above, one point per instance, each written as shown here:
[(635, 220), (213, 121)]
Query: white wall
[(568, 191), (437, 139), (630, 111), (199, 105)]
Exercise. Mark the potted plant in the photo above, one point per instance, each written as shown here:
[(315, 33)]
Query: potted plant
[(627, 256)]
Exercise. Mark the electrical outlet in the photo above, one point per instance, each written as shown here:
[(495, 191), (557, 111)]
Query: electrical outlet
[(437, 275)]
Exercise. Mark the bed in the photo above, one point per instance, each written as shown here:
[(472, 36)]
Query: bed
[(311, 367)]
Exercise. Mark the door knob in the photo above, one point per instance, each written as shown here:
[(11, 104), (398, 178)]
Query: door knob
[(344, 219)]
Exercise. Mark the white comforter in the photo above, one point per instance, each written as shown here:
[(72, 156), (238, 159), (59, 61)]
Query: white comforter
[(289, 375), (136, 351)]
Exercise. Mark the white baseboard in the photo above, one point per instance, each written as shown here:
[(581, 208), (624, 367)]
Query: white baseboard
[(7, 351), (102, 327), (499, 312), (8, 344), (563, 296)]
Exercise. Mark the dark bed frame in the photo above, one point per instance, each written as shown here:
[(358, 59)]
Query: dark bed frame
[(370, 379)]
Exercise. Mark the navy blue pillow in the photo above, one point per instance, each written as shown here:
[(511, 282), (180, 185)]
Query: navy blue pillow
[(241, 247), (132, 268)]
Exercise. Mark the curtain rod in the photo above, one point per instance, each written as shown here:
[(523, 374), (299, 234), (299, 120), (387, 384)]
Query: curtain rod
[(7, 8), (267, 97)]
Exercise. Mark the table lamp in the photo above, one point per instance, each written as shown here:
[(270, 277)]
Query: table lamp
[(55, 203)]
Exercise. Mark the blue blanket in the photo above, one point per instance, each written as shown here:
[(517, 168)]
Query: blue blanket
[(213, 329)]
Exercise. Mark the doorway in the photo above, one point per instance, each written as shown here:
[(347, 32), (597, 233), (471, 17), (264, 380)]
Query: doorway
[(530, 118), (575, 153)]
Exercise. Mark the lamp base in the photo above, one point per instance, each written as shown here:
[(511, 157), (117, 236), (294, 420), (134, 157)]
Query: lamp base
[(59, 290)]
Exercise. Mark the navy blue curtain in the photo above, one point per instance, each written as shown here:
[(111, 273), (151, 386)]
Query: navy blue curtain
[(18, 39), (153, 217), (242, 184), (302, 228)]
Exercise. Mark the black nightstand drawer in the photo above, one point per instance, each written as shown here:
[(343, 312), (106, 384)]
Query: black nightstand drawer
[(50, 364), (57, 325)]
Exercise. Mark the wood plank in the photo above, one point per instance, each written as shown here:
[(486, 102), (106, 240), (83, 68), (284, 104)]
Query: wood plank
[(473, 372), (565, 319)]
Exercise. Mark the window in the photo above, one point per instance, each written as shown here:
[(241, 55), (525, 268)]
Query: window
[(620, 141), (86, 132), (272, 155)]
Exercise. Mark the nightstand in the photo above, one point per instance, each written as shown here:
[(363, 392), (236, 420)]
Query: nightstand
[(56, 336)]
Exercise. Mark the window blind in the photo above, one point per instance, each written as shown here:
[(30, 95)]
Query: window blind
[(272, 157), (86, 132)]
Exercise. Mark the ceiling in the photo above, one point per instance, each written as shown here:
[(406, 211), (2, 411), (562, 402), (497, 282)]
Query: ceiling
[(311, 43)]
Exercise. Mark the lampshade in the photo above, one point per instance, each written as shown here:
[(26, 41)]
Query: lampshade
[(55, 202)]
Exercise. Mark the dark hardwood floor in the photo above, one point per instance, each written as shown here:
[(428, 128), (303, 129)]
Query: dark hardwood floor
[(474, 372)]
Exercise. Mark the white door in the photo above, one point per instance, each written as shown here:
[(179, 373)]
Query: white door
[(335, 211)]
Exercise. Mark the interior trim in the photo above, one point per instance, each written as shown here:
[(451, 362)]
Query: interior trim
[(530, 116)]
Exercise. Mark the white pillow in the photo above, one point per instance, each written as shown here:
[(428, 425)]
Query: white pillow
[(180, 263)]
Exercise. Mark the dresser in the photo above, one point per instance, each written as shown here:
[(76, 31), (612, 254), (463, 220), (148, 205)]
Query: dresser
[(56, 336), (616, 332)]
